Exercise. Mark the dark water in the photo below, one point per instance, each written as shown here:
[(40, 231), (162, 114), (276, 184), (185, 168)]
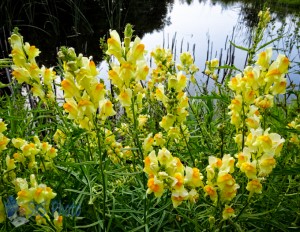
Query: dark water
[(203, 27)]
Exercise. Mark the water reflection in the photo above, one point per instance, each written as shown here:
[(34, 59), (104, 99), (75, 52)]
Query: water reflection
[(79, 23), (195, 23), (202, 26)]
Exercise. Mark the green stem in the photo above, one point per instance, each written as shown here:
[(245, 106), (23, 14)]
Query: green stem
[(187, 145), (102, 171), (138, 145)]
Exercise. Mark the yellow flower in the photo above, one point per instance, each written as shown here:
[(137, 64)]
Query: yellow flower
[(225, 180), (279, 87), (21, 75), (249, 96), (254, 186), (106, 109), (252, 137), (172, 82), (20, 184), (186, 59), (181, 82), (2, 126), (48, 74), (142, 70), (40, 220), (114, 45), (214, 63), (125, 97), (27, 209), (174, 166), (24, 196), (31, 51), (142, 119), (264, 59), (249, 168), (167, 121), (160, 93), (235, 118), (243, 157), (38, 91), (29, 149), (98, 93), (264, 102), (58, 221), (279, 66), (178, 181), (253, 122), (210, 173), (164, 156), (228, 212), (10, 163), (178, 196), (38, 194), (159, 140), (227, 194), (235, 82), (214, 162), (183, 100), (59, 137), (127, 73), (3, 142), (227, 163), (137, 51), (155, 186), (17, 52), (52, 153), (19, 157), (71, 107), (151, 164), (266, 164), (193, 196), (236, 103), (70, 89), (86, 107), (193, 177), (148, 142), (211, 192), (174, 132), (113, 75)]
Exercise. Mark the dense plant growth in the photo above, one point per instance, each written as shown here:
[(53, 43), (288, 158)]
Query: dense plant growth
[(144, 154)]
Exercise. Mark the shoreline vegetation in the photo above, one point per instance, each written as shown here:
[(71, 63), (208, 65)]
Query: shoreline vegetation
[(146, 155)]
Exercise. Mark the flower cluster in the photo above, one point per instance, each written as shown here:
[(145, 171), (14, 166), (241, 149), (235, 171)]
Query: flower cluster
[(30, 153), (114, 148), (83, 93), (128, 70), (255, 89), (211, 66), (167, 86), (220, 185), (167, 172), (26, 70), (187, 65), (219, 179), (254, 94), (34, 200)]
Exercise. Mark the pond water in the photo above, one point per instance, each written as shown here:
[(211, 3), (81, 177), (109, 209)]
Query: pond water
[(203, 27)]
